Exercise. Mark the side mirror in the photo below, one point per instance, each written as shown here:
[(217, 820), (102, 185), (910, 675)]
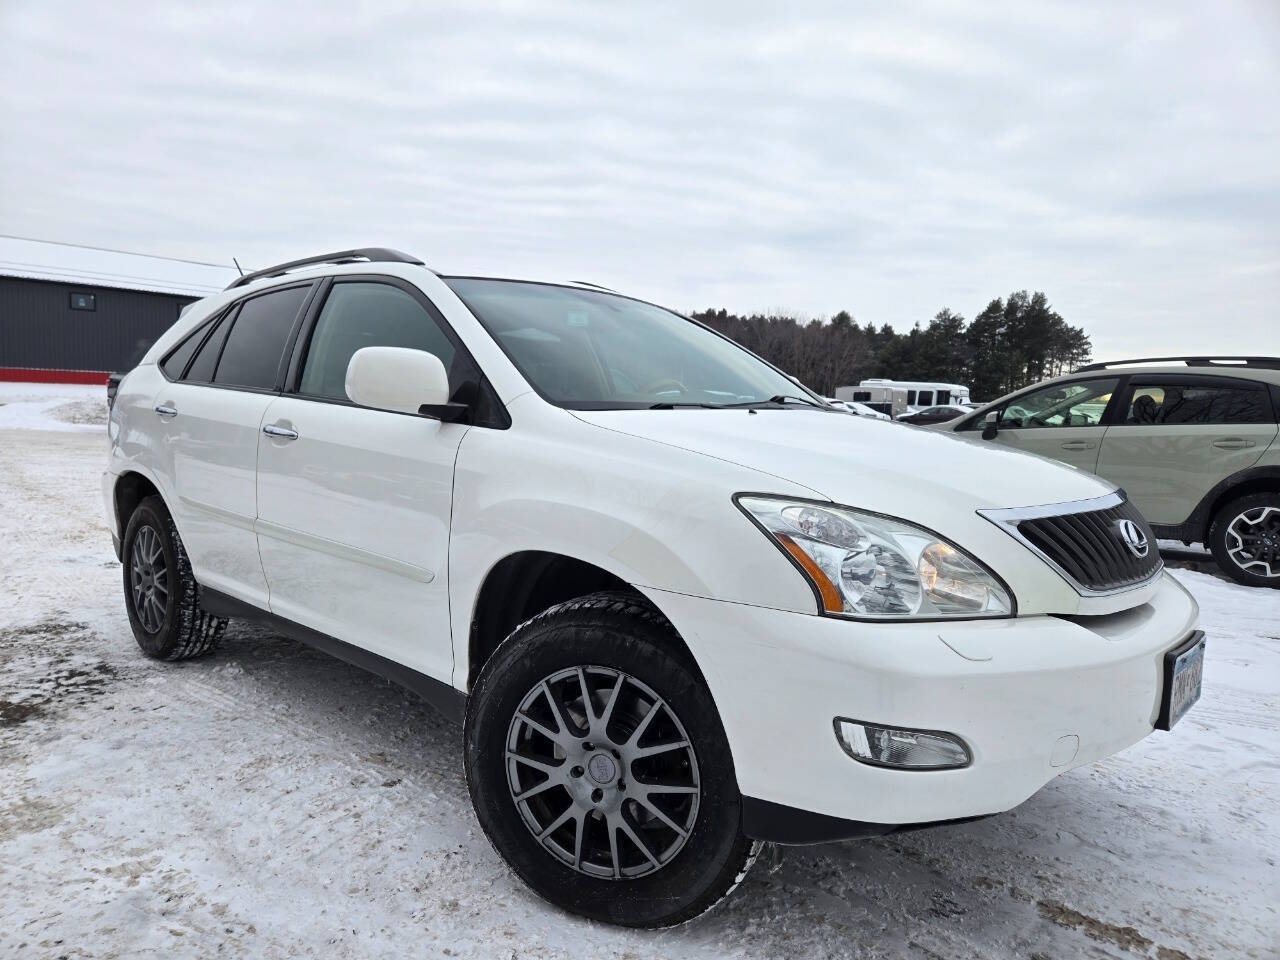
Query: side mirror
[(404, 380), (991, 425)]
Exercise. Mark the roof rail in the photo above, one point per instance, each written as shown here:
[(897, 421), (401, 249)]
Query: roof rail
[(594, 286), (369, 254), (1265, 363)]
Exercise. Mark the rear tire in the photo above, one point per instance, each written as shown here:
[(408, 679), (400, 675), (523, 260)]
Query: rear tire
[(1245, 539), (160, 593), (613, 857)]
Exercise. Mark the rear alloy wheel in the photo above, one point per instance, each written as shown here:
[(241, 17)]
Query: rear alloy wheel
[(599, 768), (160, 593), (149, 578), (1245, 539)]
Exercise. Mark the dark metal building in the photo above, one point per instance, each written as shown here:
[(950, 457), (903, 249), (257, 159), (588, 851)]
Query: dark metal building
[(74, 314)]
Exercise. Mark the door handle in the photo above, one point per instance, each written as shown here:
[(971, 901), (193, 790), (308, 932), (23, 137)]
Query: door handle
[(1078, 445), (1232, 443), (277, 432), (166, 410)]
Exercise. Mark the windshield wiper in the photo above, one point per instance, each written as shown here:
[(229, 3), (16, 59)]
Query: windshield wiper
[(787, 398), (671, 405), (777, 400), (780, 399)]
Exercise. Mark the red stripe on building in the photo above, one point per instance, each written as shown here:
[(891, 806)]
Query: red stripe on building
[(39, 375)]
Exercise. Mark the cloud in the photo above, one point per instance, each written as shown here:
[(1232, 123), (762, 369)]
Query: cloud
[(887, 159)]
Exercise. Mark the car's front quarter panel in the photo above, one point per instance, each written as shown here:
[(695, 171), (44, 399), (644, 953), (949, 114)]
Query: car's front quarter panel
[(656, 517)]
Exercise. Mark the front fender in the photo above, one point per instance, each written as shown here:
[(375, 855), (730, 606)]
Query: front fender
[(656, 517)]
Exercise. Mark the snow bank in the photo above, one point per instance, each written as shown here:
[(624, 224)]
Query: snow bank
[(53, 406)]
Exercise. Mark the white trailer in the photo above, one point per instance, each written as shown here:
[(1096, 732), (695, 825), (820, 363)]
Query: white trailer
[(900, 397)]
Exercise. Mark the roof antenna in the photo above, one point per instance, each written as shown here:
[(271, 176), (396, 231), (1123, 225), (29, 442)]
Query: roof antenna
[(238, 267)]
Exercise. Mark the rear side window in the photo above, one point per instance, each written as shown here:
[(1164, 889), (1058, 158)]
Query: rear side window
[(1174, 404), (360, 314), (255, 344), (176, 362), (201, 370)]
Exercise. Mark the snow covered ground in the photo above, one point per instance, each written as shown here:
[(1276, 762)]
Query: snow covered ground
[(53, 406), (269, 801)]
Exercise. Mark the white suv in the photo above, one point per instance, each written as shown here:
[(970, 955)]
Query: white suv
[(680, 605)]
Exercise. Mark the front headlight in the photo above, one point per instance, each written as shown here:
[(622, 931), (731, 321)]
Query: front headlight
[(867, 566)]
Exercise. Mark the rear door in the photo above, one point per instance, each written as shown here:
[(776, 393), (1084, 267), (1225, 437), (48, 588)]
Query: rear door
[(211, 410), (1176, 435), (354, 503), (1064, 421)]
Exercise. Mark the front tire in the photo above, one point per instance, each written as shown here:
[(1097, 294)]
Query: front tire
[(1245, 539), (599, 768), (160, 593)]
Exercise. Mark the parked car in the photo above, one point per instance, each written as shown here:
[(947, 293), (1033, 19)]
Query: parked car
[(934, 415), (680, 606), (857, 409), (1192, 440)]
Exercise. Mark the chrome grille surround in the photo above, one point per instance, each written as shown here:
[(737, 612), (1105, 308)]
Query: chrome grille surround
[(1082, 542)]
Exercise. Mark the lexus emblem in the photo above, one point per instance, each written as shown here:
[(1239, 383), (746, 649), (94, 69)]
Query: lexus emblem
[(1134, 538)]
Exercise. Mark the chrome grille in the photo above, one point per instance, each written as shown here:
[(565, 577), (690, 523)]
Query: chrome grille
[(1085, 541)]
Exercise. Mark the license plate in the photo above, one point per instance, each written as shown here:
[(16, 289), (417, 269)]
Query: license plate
[(1183, 669)]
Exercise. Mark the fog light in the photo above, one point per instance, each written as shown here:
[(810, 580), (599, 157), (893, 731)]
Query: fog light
[(900, 748)]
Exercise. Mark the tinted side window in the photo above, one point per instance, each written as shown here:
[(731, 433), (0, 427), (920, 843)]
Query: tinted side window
[(201, 370), (256, 342), (176, 362), (1188, 404), (362, 314), (925, 398)]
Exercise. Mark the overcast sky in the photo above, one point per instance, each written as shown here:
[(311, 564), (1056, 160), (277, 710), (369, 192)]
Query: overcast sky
[(886, 158)]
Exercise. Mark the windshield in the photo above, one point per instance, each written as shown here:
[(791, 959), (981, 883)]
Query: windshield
[(590, 351)]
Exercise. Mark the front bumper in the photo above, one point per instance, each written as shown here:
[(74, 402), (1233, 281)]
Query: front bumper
[(1031, 696)]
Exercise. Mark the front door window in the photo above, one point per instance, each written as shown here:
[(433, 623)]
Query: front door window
[(1078, 404)]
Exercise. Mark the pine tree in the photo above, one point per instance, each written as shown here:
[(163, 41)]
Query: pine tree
[(1012, 342)]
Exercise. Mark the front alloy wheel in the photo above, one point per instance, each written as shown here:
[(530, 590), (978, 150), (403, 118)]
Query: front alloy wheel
[(599, 769), (602, 772)]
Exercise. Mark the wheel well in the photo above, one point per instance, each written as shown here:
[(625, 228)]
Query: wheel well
[(1258, 485), (523, 585), (131, 490)]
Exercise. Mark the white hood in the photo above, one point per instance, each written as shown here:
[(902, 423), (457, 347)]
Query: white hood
[(876, 465), (930, 478)]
